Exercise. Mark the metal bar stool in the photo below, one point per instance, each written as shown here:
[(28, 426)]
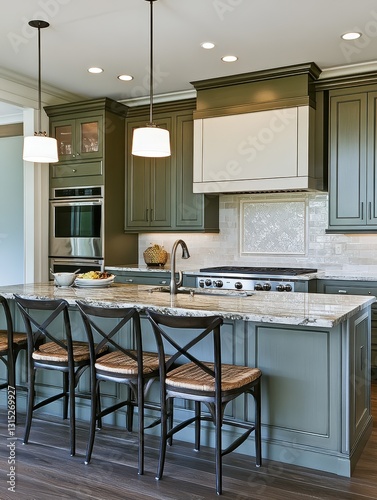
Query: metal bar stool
[(133, 367), (213, 383), (11, 343), (48, 350)]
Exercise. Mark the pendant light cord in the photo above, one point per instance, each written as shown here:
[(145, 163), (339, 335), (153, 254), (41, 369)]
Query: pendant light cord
[(151, 65), (39, 125)]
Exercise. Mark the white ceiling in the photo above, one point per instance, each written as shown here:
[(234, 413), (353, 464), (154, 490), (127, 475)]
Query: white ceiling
[(114, 34)]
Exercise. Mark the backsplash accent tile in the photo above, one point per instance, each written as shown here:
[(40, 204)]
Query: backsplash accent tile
[(339, 253), (273, 227)]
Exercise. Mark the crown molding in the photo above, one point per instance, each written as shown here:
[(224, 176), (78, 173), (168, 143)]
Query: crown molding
[(160, 98), (22, 91)]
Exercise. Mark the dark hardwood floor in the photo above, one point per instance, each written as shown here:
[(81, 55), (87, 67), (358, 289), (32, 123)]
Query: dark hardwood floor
[(45, 470)]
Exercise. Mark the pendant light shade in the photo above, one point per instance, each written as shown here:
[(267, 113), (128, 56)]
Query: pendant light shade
[(40, 148), (151, 141)]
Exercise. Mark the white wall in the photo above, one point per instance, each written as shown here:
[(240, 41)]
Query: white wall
[(11, 211)]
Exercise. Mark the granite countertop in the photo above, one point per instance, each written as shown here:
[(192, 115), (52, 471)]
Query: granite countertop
[(304, 309)]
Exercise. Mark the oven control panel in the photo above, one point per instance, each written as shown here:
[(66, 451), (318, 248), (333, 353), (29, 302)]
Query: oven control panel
[(262, 284)]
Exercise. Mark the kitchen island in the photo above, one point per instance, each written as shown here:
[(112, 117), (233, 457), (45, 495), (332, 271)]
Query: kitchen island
[(313, 350)]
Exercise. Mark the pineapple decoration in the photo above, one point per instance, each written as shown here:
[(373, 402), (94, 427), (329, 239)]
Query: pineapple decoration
[(155, 255)]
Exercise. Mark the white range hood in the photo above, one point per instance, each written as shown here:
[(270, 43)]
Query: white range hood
[(262, 151), (256, 146)]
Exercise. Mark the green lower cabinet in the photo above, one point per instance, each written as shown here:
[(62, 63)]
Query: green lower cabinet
[(159, 191), (141, 277), (342, 287)]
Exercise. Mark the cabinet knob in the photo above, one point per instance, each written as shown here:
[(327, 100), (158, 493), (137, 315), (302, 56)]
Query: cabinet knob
[(73, 170)]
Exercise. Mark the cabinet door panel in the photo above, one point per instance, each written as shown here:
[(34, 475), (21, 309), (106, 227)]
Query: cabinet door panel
[(138, 192), (348, 203), (88, 137), (189, 204), (160, 193), (372, 159)]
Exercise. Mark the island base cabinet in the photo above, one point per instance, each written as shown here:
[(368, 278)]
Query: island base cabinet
[(315, 389)]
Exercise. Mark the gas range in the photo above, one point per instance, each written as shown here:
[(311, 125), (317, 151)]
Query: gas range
[(255, 278)]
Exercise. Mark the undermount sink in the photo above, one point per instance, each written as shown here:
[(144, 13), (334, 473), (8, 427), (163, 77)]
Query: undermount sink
[(203, 291)]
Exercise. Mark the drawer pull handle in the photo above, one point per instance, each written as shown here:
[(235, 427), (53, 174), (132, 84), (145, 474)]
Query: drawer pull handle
[(163, 282), (129, 280), (342, 291)]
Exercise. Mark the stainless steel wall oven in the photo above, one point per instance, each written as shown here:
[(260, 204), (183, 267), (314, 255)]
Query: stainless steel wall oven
[(76, 225)]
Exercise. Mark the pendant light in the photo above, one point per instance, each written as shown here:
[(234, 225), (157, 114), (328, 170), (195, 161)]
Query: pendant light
[(151, 141), (40, 148)]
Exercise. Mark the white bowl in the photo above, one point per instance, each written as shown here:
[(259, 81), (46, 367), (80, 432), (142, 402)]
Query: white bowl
[(64, 279)]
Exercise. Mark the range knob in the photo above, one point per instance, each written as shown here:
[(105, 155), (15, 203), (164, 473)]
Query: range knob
[(280, 288), (266, 286), (218, 283), (201, 283), (288, 288), (238, 285), (258, 286), (208, 282)]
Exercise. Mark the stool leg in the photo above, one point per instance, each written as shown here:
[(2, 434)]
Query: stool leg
[(218, 450), (66, 397), (141, 428), (165, 405), (72, 413), (30, 403), (258, 437), (93, 419), (197, 426)]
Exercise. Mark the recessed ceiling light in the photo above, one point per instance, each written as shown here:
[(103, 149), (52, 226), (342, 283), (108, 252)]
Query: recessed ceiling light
[(207, 45), (229, 58), (351, 36), (95, 70), (125, 78)]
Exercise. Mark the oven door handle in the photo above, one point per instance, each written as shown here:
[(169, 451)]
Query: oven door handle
[(57, 203)]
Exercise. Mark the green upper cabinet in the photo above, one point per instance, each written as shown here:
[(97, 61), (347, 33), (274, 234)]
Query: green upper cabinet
[(90, 136), (149, 186), (159, 191), (352, 154), (78, 138)]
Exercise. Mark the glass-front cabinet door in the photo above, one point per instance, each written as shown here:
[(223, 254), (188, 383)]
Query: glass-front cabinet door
[(78, 139)]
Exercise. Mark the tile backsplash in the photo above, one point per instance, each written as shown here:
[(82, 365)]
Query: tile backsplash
[(282, 229)]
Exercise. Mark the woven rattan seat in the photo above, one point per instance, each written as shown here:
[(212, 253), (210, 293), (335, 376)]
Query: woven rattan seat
[(11, 344), (190, 376), (51, 347), (125, 363), (119, 362), (206, 383), (18, 339), (54, 353)]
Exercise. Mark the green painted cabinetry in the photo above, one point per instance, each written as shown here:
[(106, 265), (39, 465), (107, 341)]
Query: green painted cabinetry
[(91, 142), (342, 287), (159, 194), (352, 155), (148, 201)]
